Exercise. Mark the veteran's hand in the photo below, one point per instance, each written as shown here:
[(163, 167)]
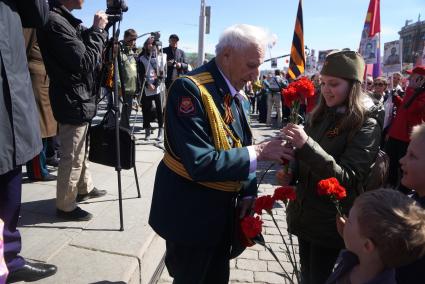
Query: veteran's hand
[(246, 205), (295, 135), (274, 150)]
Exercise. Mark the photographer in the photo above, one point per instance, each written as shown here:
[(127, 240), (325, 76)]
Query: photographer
[(72, 54), (148, 69), (129, 72), (176, 61)]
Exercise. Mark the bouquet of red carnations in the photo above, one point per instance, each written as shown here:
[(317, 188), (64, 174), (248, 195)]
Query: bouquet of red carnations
[(295, 94), (251, 227)]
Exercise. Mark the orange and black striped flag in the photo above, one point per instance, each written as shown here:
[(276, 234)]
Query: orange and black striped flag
[(297, 61)]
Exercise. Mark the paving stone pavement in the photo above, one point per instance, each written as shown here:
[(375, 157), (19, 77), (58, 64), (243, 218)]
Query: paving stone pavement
[(256, 264)]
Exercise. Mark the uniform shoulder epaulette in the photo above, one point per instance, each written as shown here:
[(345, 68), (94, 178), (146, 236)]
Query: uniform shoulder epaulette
[(202, 78)]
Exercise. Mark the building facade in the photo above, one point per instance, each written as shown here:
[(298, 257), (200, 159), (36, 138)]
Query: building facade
[(413, 38)]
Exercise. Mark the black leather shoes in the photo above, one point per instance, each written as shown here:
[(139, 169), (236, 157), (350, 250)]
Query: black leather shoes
[(32, 272), (77, 214), (92, 194), (48, 177), (52, 161)]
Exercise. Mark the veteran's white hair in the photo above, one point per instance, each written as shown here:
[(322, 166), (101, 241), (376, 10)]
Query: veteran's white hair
[(241, 36)]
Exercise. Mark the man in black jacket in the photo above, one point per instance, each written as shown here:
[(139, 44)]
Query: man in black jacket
[(19, 129), (72, 54), (176, 61)]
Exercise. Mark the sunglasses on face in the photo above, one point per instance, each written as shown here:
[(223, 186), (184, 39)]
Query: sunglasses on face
[(379, 84)]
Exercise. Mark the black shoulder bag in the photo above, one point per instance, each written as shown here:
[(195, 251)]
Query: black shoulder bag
[(102, 144)]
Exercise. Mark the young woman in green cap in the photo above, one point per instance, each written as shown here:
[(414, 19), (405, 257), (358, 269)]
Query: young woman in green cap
[(340, 140)]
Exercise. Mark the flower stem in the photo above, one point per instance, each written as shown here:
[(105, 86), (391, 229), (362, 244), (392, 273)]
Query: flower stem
[(264, 174), (286, 275), (289, 254)]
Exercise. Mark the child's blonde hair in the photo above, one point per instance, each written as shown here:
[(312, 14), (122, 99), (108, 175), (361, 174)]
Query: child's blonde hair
[(395, 223)]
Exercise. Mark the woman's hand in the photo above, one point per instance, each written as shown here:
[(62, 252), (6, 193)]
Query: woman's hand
[(295, 135), (340, 224)]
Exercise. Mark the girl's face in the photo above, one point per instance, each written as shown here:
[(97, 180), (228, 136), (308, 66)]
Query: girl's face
[(413, 165), (334, 90)]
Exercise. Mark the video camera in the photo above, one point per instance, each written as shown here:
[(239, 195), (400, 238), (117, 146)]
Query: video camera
[(156, 36), (114, 10)]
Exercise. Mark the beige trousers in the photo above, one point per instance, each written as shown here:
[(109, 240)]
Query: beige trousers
[(274, 99), (73, 173)]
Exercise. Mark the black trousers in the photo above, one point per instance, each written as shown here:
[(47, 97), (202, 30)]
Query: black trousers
[(262, 108), (316, 261), (198, 265), (127, 107), (10, 207), (147, 110), (52, 147), (396, 149)]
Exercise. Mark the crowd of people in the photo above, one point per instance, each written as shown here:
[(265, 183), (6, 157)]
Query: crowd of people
[(208, 173), (49, 102)]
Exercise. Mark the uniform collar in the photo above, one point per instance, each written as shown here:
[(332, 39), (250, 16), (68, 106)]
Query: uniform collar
[(232, 90)]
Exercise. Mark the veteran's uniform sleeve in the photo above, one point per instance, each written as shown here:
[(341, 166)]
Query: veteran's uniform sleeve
[(189, 136)]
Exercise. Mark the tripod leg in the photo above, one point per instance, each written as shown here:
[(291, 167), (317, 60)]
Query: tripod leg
[(137, 180), (120, 200)]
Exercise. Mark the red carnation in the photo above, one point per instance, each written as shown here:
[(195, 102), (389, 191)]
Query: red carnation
[(327, 186), (340, 193), (290, 94), (284, 193), (251, 226), (298, 91), (333, 189), (264, 202), (305, 87)]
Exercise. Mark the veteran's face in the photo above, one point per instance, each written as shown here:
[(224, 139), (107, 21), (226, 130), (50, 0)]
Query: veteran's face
[(241, 66), (334, 90)]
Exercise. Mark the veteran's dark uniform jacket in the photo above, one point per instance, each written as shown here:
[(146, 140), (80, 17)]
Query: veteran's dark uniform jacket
[(185, 211)]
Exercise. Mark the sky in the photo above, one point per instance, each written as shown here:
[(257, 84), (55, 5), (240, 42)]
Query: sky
[(328, 24)]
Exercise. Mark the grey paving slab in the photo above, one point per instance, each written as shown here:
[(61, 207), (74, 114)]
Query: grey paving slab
[(82, 266), (102, 233), (95, 251)]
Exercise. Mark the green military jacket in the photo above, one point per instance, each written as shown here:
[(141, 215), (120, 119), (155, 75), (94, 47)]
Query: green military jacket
[(348, 158), (129, 70)]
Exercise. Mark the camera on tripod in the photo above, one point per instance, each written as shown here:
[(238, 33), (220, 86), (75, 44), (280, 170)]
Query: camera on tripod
[(114, 10), (156, 41)]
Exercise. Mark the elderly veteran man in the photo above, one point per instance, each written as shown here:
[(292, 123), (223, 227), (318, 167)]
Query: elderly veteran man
[(208, 166)]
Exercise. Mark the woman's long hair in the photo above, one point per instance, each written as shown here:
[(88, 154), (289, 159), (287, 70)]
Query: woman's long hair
[(355, 110)]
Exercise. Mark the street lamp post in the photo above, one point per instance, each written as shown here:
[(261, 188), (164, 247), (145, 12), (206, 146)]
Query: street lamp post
[(201, 53)]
